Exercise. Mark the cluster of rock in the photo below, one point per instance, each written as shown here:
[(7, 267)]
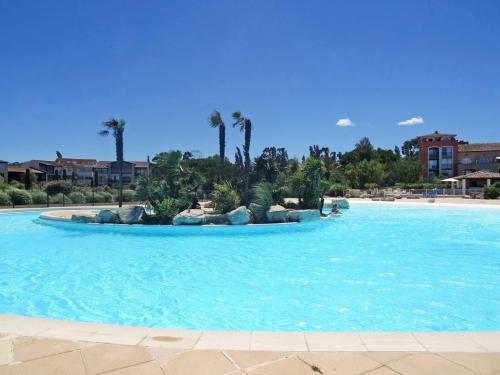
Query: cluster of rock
[(244, 216), (123, 215), (239, 216)]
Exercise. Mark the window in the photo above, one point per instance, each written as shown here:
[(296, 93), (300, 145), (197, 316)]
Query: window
[(446, 164), (446, 152), (433, 165), (433, 153)]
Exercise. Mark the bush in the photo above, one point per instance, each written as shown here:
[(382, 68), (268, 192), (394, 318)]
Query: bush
[(58, 187), (492, 191), (311, 171), (97, 198), (77, 197), (337, 190), (225, 198), (106, 197), (128, 196), (58, 199), (5, 199), (20, 197), (167, 210), (39, 197), (16, 184)]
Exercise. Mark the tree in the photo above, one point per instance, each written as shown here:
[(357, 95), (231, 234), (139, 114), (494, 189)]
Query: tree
[(215, 121), (59, 160), (116, 128), (28, 179), (364, 149), (311, 172), (410, 147), (245, 126)]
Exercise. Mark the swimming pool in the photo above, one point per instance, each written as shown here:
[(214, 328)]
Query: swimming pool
[(376, 268)]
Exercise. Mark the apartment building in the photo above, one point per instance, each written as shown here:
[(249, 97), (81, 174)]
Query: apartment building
[(438, 155), (475, 157)]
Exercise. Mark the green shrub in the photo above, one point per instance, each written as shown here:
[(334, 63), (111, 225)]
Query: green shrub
[(337, 190), (20, 197), (5, 199), (492, 191), (107, 197), (58, 199), (311, 171), (77, 197), (97, 198), (225, 197), (16, 184), (58, 187), (39, 197), (167, 210), (128, 196)]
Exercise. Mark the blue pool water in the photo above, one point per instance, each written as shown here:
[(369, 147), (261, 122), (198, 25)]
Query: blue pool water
[(376, 268)]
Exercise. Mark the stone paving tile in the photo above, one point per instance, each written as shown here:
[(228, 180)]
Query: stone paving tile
[(246, 359), (483, 363), (113, 339), (213, 340), (274, 341), (5, 352), (107, 357), (200, 363), (488, 340), (340, 362), (4, 370), (427, 364), (148, 368), (288, 366), (333, 342), (453, 342), (164, 355), (60, 364), (65, 333), (28, 348), (382, 371), (386, 357), (391, 342)]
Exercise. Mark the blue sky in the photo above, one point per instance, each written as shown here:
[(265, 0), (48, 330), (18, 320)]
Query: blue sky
[(294, 67)]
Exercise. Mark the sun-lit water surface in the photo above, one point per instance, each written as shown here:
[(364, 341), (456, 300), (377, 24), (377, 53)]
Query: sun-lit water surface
[(377, 268)]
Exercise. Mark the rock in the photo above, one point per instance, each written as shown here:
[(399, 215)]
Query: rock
[(389, 198), (302, 216), (83, 219), (258, 213), (355, 193), (217, 219), (132, 214), (107, 217), (277, 214), (239, 216), (189, 217), (431, 200), (341, 203)]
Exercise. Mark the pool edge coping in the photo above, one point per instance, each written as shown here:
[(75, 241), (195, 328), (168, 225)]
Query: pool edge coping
[(297, 341)]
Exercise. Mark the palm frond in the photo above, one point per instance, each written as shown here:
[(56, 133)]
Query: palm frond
[(104, 133)]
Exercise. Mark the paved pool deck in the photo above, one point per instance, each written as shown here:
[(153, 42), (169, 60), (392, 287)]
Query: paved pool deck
[(46, 346)]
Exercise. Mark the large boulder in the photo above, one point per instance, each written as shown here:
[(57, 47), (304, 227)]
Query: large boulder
[(107, 217), (83, 218), (277, 214), (258, 213), (189, 217), (302, 216), (132, 214), (341, 203), (239, 216), (216, 219)]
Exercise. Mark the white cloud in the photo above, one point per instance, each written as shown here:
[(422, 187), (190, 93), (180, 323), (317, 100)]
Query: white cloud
[(344, 122), (412, 121)]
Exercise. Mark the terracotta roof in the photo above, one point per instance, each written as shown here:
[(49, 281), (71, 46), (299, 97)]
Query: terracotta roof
[(437, 134), (22, 169), (479, 175), (471, 147), (141, 164)]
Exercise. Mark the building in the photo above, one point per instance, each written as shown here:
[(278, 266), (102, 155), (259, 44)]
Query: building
[(478, 179), (438, 155), (82, 171), (4, 171), (474, 157)]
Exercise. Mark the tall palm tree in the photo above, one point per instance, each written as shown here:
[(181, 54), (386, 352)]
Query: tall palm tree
[(245, 125), (60, 162), (215, 121), (116, 128)]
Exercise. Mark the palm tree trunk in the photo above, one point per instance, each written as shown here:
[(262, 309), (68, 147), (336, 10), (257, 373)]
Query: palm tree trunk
[(246, 151), (119, 159), (222, 149)]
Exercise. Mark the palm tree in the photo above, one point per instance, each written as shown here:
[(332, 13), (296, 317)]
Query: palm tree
[(215, 121), (245, 125), (116, 128), (60, 162)]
